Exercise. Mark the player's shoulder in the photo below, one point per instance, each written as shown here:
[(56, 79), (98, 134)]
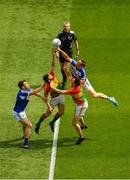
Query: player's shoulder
[(59, 33), (22, 91), (52, 73), (72, 32), (73, 62)]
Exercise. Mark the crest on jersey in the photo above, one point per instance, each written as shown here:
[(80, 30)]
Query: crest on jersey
[(70, 37), (22, 97)]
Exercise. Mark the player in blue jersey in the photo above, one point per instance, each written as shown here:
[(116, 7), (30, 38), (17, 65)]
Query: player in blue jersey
[(78, 71), (22, 100)]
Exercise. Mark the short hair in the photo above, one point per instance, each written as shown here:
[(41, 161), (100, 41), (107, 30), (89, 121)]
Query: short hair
[(77, 81), (83, 62), (66, 22), (45, 77), (20, 83)]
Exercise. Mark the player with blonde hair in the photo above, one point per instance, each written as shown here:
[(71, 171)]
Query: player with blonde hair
[(67, 37), (78, 71)]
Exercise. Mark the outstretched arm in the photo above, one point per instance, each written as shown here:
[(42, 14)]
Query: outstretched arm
[(65, 55), (59, 91), (45, 99), (71, 91), (66, 63), (53, 59), (35, 91)]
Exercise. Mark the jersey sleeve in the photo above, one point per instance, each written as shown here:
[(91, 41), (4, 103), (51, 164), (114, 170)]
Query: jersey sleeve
[(72, 90), (52, 73), (75, 37), (73, 62), (58, 35), (83, 74)]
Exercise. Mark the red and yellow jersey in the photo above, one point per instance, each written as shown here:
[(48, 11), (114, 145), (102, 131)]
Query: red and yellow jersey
[(77, 95), (55, 83)]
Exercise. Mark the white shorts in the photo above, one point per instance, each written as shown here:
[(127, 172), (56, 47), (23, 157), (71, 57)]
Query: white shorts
[(19, 116), (81, 109), (57, 100), (87, 84)]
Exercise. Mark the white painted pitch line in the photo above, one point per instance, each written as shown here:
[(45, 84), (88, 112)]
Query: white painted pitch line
[(54, 150)]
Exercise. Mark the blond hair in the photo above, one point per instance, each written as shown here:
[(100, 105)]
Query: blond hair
[(66, 22)]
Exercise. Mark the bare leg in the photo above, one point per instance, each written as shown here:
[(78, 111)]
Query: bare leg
[(101, 95), (82, 122), (42, 118), (27, 125), (81, 116), (77, 127), (23, 131), (61, 108), (97, 94)]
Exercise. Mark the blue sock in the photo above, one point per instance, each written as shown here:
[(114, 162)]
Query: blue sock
[(26, 142)]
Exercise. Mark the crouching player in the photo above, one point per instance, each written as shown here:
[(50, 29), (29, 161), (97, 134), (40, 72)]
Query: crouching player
[(81, 106), (22, 100)]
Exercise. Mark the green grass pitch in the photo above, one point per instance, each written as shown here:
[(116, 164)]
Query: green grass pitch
[(103, 29)]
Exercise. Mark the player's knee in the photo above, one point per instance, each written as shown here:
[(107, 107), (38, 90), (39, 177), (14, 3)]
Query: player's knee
[(30, 125), (73, 122), (61, 113), (94, 94), (45, 115)]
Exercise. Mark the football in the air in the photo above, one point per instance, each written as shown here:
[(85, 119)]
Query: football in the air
[(56, 42)]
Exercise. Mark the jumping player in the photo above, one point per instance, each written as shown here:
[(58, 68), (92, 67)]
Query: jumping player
[(56, 98), (78, 71)]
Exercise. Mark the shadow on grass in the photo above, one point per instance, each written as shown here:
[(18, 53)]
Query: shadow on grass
[(39, 143), (69, 141), (11, 143), (35, 144)]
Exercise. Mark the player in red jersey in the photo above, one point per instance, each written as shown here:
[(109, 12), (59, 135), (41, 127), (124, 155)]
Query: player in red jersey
[(56, 98), (81, 106)]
